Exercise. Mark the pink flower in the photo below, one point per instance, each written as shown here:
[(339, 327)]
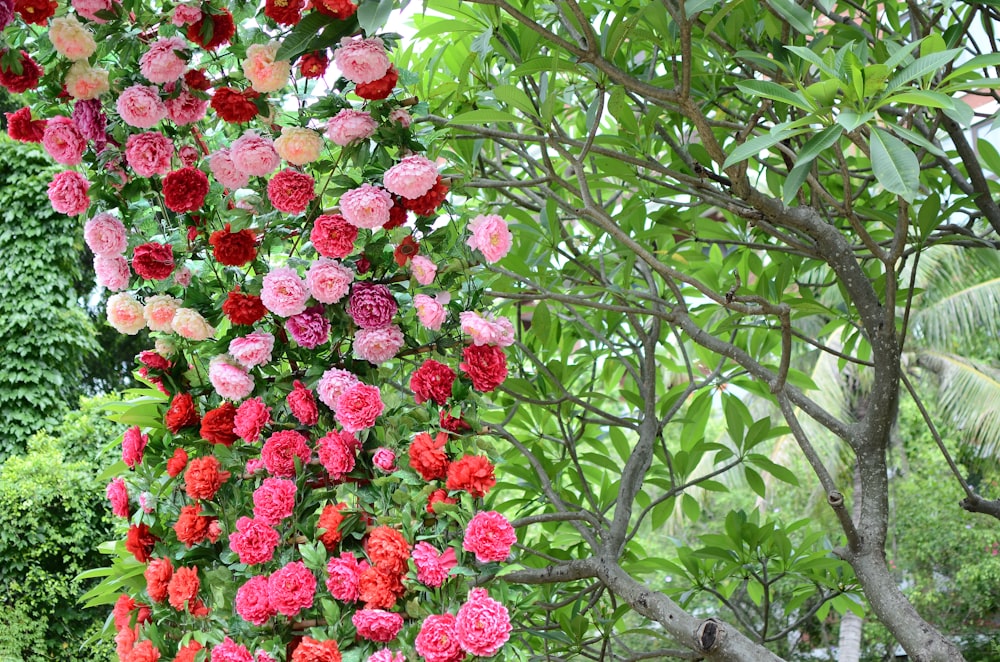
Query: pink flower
[(251, 418), (343, 577), (189, 155), (263, 656), (230, 381), (309, 329), (188, 323), (125, 314), (366, 206), (140, 106), (89, 8), (487, 330), (254, 465), (91, 121), (489, 536), (105, 235), (265, 73), (437, 640), (333, 384), (225, 171), (423, 269), (359, 407), (291, 589), (384, 459), (230, 651), (377, 624), (117, 493), (254, 541), (185, 15), (350, 126), (254, 154), (274, 500), (85, 82), (284, 293), (371, 306), (491, 236), (149, 153), (71, 39), (482, 625), (386, 655), (411, 177), (252, 350), (281, 449), (133, 445), (401, 116), (252, 601), (298, 146), (378, 345), (68, 193), (63, 141), (333, 236), (161, 64), (291, 191), (361, 60), (430, 312), (186, 108), (302, 404), (112, 271), (432, 567), (160, 311), (328, 280), (337, 453), (147, 502)]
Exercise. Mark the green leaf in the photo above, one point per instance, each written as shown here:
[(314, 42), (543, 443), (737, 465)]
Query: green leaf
[(896, 167), (989, 155), (484, 116), (372, 15), (812, 149), (690, 507), (921, 67), (919, 98), (755, 481), (797, 17), (297, 41), (758, 144), (813, 58), (769, 90)]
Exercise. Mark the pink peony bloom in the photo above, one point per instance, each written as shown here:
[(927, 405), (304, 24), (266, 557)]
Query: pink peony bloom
[(140, 106), (384, 459), (125, 314), (343, 577), (71, 38), (159, 312), (371, 306), (265, 73), (254, 465), (298, 146), (333, 236), (358, 407), (252, 601), (291, 589), (225, 171), (377, 625), (386, 655), (149, 153), (430, 312), (402, 117), (91, 121), (333, 384), (185, 15), (361, 60), (411, 177), (433, 567), (378, 345), (186, 108), (117, 493), (284, 292), (189, 155), (254, 541), (281, 449), (161, 63), (254, 154), (105, 235), (63, 141), (231, 381), (188, 323), (482, 625), (291, 191), (133, 445), (274, 500), (112, 271), (252, 350), (251, 418), (349, 126), (328, 280), (230, 651), (491, 236), (310, 329), (437, 640), (302, 404), (423, 269), (487, 330), (89, 8), (84, 82), (338, 452), (489, 536), (366, 206)]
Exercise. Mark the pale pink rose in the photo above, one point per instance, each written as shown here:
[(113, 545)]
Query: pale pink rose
[(84, 82), (298, 146), (361, 60), (366, 206), (185, 15), (402, 117), (149, 153), (378, 345), (253, 349), (182, 276), (333, 384), (225, 171), (423, 269), (358, 407), (482, 624), (328, 280), (430, 312), (89, 8), (384, 459), (188, 323), (189, 155), (284, 292), (489, 536), (112, 271), (487, 330), (160, 311), (254, 154), (125, 314), (63, 141), (265, 73), (161, 63), (433, 567), (411, 177), (186, 108), (230, 380), (350, 126), (105, 235), (140, 106), (71, 39), (491, 236)]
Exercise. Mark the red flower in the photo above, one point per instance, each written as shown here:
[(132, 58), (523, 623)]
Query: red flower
[(302, 404), (380, 88), (192, 527), (185, 189), (203, 478), (183, 588), (388, 550), (21, 127), (438, 496), (233, 249), (471, 473), (380, 589), (157, 575), (187, 653), (181, 414), (332, 236), (339, 9), (432, 381), (122, 612), (153, 360), (405, 250), (234, 106), (486, 366), (454, 424), (197, 80), (214, 34), (397, 214), (313, 65), (245, 309), (140, 542), (218, 425), (314, 650), (429, 202), (153, 261), (284, 12), (19, 82), (176, 464), (330, 520), (36, 11), (427, 456), (291, 191)]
